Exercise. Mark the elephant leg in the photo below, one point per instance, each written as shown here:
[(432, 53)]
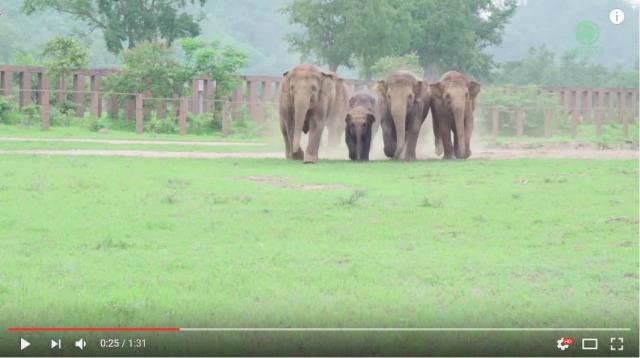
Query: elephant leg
[(445, 136), (295, 154), (413, 132), (315, 135), (284, 121), (468, 129), (436, 135)]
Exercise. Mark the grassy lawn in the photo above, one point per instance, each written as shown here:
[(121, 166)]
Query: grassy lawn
[(7, 130), (44, 145), (271, 243)]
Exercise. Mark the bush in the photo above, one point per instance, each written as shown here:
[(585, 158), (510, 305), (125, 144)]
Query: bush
[(95, 124), (31, 115), (7, 106), (201, 123), (157, 125), (532, 99)]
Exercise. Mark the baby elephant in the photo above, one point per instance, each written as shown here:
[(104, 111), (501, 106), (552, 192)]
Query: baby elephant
[(359, 121)]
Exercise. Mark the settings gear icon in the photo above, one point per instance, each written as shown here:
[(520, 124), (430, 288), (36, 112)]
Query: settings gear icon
[(564, 343)]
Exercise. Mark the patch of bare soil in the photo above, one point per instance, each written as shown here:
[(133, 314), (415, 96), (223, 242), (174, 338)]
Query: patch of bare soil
[(132, 141), (283, 182)]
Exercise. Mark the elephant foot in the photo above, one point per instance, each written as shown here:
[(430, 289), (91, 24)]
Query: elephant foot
[(310, 159), (467, 154), (448, 157), (298, 155), (439, 147)]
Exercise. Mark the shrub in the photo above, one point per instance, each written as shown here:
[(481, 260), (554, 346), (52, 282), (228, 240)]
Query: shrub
[(157, 125), (31, 115), (201, 123), (7, 106)]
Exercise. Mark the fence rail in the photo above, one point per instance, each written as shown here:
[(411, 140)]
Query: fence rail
[(255, 93)]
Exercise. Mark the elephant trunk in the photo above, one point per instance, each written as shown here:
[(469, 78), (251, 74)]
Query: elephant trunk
[(399, 114), (359, 144), (301, 106), (458, 118)]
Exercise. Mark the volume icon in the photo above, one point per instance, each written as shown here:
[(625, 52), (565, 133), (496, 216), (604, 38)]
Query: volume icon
[(81, 343)]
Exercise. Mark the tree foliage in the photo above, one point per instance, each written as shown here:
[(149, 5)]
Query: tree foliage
[(153, 66), (339, 32), (62, 55), (127, 22), (389, 64), (543, 67), (149, 66), (444, 34), (214, 61)]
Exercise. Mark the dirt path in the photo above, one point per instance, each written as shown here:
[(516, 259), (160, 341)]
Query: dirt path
[(487, 154), (132, 141)]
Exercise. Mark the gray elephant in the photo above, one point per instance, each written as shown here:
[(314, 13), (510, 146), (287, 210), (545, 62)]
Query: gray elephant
[(335, 117), (453, 102), (306, 94), (360, 120), (404, 102)]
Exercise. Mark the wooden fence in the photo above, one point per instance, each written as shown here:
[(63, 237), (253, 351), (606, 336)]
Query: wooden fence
[(255, 93)]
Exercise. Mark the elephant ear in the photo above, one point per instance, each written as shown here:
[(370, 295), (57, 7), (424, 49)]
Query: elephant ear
[(474, 89), (380, 88), (436, 90), (348, 118), (421, 89)]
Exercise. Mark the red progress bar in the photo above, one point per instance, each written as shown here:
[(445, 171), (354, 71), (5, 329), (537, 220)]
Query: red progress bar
[(88, 329)]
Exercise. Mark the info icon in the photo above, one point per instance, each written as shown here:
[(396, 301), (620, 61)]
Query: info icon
[(564, 343)]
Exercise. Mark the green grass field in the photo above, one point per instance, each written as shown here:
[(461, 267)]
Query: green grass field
[(272, 243)]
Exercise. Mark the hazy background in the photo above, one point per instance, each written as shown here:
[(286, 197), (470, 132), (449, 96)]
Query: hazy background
[(258, 27)]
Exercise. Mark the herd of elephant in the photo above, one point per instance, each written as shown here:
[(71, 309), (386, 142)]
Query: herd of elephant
[(311, 99)]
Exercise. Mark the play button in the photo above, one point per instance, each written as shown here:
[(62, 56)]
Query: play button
[(24, 344)]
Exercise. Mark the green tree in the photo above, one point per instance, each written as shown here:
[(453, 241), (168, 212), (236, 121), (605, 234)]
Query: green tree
[(62, 55), (214, 61), (341, 32), (128, 22), (149, 66), (386, 65), (453, 34)]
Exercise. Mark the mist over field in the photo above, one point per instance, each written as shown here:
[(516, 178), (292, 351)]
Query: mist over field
[(259, 27)]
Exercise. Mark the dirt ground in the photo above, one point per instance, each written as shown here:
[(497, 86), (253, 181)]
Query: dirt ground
[(484, 154)]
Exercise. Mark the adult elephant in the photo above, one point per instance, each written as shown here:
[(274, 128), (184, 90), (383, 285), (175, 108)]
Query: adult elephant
[(404, 102), (453, 102), (306, 94), (337, 113)]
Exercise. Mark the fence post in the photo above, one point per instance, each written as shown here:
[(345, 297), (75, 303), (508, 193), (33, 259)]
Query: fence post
[(182, 116), (626, 114), (130, 107), (139, 114), (207, 102), (195, 96), (586, 104), (162, 109), (95, 96), (251, 100), (519, 122), (495, 122), (113, 106), (575, 118), (225, 118), (44, 100), (78, 95), (597, 108), (236, 99), (267, 95), (548, 122), (61, 87), (7, 83), (25, 89)]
